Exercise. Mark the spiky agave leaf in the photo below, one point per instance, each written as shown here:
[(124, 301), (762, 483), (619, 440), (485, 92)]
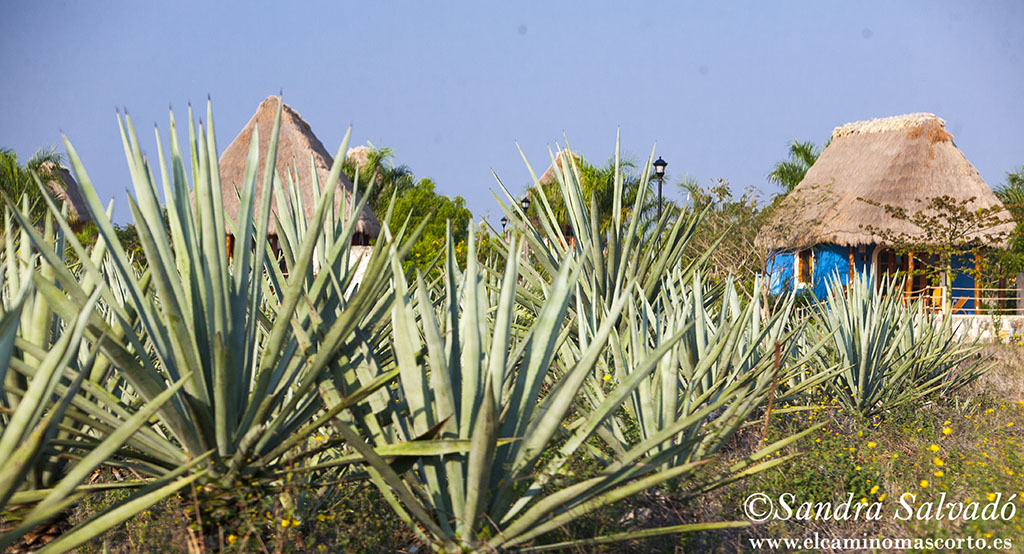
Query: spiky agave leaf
[(466, 366), (27, 439), (255, 343), (891, 351)]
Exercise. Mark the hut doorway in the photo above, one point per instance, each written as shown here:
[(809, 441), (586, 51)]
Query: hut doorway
[(889, 264)]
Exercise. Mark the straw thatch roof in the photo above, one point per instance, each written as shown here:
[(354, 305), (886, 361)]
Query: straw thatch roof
[(65, 190), (895, 161), (296, 145), (359, 155)]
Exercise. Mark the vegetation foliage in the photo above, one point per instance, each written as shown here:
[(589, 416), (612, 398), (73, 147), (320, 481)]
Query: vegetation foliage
[(950, 233), (17, 181), (491, 404), (788, 173), (415, 200)]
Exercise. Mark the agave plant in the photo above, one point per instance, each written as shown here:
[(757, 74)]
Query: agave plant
[(731, 361), (892, 352), (50, 411), (251, 344), (486, 374), (631, 248)]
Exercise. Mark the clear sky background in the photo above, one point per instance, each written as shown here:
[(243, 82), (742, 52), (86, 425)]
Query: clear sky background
[(451, 87)]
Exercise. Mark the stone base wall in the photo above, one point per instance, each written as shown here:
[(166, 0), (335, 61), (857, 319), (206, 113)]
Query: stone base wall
[(987, 328)]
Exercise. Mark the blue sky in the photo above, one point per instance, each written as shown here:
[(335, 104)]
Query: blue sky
[(451, 87)]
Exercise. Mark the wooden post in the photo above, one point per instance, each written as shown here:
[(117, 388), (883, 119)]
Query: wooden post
[(852, 265), (230, 243), (1020, 294), (910, 276), (977, 277)]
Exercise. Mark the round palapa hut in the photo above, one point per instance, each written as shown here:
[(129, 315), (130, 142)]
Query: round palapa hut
[(895, 161), (296, 145)]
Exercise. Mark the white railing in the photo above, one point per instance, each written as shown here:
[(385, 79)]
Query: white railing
[(963, 300), (995, 301)]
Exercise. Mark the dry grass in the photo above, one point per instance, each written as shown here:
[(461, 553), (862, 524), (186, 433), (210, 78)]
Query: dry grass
[(969, 447), (976, 435)]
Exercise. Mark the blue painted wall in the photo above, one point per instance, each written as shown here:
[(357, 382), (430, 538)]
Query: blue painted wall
[(963, 283), (831, 259), (780, 272)]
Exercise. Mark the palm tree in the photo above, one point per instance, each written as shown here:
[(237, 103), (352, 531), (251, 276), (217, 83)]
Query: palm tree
[(788, 173), (1011, 194), (387, 178), (16, 179)]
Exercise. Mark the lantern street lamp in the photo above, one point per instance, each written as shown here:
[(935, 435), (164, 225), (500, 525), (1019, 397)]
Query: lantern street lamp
[(525, 203), (659, 171), (504, 222)]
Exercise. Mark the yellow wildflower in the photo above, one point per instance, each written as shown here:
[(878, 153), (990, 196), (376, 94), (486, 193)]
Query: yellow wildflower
[(924, 483)]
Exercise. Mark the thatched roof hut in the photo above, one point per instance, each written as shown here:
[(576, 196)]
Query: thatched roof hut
[(296, 145), (895, 161), (65, 190)]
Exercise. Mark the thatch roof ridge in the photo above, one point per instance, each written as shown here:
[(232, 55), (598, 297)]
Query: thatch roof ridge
[(885, 124), (900, 162), (297, 145)]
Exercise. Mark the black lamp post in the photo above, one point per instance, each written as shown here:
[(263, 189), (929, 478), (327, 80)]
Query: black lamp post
[(659, 170), (525, 203), (504, 222)]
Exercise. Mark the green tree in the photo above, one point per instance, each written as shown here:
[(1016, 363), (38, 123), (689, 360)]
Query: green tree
[(414, 198), (421, 201), (598, 185), (788, 173), (16, 179), (950, 231), (1011, 194), (378, 168), (731, 224)]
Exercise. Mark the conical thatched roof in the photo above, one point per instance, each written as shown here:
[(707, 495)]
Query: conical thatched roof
[(65, 189), (296, 144), (895, 161)]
